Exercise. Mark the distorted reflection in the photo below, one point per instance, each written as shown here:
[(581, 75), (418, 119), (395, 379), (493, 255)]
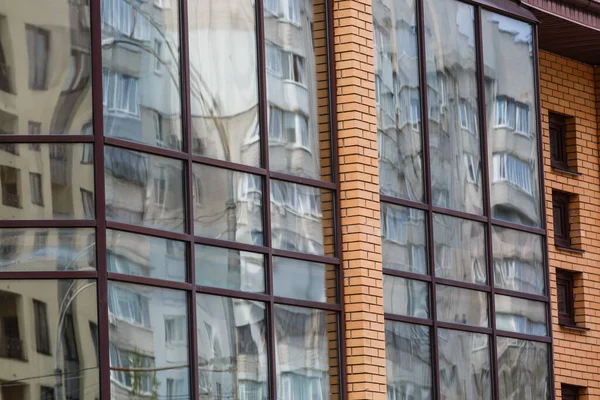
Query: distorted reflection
[(306, 353), (459, 249), (227, 205), (398, 99), (462, 306), (149, 351), (149, 256), (232, 348), (304, 280), (47, 181), (405, 297), (408, 361), (301, 218), (294, 42), (521, 315), (49, 339), (45, 85), (454, 143), (223, 80), (230, 269), (518, 261), (404, 239), (143, 189), (512, 122), (464, 360), (140, 72), (523, 370), (47, 249)]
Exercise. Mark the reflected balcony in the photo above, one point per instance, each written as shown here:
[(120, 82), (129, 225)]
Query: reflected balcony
[(58, 164), (10, 199), (11, 348)]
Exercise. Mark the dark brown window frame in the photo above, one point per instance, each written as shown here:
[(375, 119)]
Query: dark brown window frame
[(557, 127), (512, 10), (561, 218), (567, 279), (569, 392)]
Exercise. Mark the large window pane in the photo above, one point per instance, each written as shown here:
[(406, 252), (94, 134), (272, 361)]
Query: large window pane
[(149, 256), (404, 239), (230, 269), (302, 218), (408, 361), (45, 81), (306, 353), (296, 88), (143, 189), (512, 119), (518, 261), (140, 72), (228, 205), (49, 338), (459, 249), (405, 297), (304, 280), (521, 315), (464, 360), (232, 348), (453, 112), (523, 370), (47, 249), (398, 99), (223, 80), (147, 349), (47, 181), (462, 306)]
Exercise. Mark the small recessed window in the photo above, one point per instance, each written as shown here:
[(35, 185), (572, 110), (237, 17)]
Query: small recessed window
[(569, 392), (558, 141), (560, 209), (565, 297)]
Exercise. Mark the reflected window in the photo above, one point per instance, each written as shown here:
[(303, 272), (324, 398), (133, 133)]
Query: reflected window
[(42, 338), (38, 50), (9, 178)]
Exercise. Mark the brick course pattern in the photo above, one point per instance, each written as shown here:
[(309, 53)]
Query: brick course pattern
[(361, 240), (572, 89)]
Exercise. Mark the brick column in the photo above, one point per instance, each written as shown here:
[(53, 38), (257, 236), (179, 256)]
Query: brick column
[(361, 239)]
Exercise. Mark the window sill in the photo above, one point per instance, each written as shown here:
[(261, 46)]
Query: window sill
[(569, 249), (564, 170), (573, 327)]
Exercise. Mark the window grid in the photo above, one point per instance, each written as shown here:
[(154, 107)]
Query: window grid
[(489, 221)]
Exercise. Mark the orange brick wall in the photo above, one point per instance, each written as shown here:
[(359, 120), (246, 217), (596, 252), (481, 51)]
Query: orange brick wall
[(361, 241), (568, 88)]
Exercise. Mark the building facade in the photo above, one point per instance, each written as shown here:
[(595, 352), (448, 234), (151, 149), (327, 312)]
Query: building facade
[(299, 199)]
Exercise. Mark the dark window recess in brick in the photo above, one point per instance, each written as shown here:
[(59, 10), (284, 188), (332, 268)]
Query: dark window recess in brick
[(566, 298), (560, 209), (558, 141)]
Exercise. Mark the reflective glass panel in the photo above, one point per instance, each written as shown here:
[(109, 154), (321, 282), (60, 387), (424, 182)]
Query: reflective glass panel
[(398, 99), (47, 181), (464, 360), (230, 269), (523, 370), (45, 67), (228, 205), (521, 315), (49, 339), (47, 249), (518, 261), (140, 72), (149, 256), (304, 280), (297, 90), (223, 80), (306, 352), (462, 306), (459, 249), (301, 218), (232, 348), (405, 297), (404, 239), (143, 189), (452, 100), (147, 349), (408, 361), (512, 119)]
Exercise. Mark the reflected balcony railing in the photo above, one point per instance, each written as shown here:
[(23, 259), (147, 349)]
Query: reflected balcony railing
[(10, 199), (11, 348)]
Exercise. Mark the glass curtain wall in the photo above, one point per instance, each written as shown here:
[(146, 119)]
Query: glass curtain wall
[(168, 219), (465, 281)]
